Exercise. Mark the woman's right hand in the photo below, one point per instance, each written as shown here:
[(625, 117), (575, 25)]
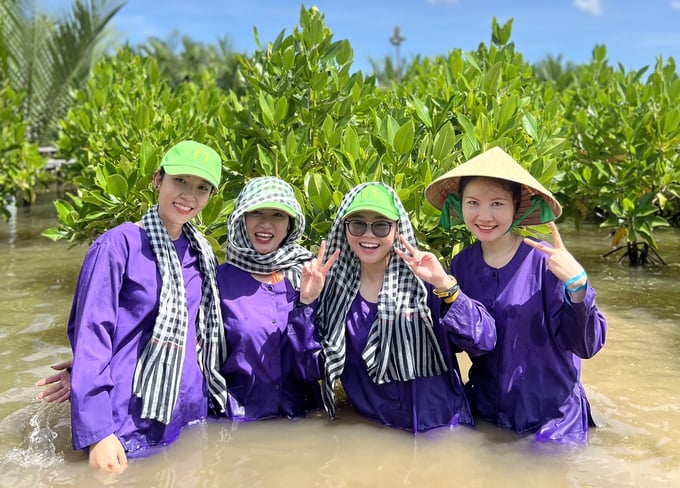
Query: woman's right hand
[(314, 275), (108, 455), (58, 385)]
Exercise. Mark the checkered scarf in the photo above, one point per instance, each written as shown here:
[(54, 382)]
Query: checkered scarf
[(290, 256), (401, 343), (159, 367)]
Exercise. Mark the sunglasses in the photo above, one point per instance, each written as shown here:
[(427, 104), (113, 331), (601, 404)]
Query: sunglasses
[(379, 228)]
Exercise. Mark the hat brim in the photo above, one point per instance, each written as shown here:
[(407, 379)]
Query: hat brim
[(275, 205), (494, 163), (387, 213), (193, 170)]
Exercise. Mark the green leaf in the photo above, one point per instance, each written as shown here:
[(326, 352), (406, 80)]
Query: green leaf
[(530, 125), (403, 138), (422, 111), (350, 144), (281, 109), (117, 186), (267, 108), (318, 191), (444, 142)]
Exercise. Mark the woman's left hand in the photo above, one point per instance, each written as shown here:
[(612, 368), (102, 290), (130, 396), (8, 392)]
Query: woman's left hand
[(560, 262), (424, 265)]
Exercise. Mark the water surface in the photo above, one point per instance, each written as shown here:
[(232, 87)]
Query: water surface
[(633, 385)]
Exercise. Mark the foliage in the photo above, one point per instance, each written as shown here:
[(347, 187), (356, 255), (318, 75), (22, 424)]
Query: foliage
[(117, 131), (20, 163), (46, 57), (626, 132), (302, 114)]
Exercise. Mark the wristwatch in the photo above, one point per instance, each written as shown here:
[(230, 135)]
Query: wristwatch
[(447, 292)]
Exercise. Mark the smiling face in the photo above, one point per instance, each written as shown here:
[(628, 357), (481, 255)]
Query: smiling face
[(180, 199), (488, 209), (267, 228), (370, 250)]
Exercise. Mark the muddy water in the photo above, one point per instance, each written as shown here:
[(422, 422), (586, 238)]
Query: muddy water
[(633, 385)]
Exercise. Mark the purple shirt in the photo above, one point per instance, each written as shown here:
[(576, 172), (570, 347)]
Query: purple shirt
[(425, 402), (112, 317), (262, 377), (531, 381)]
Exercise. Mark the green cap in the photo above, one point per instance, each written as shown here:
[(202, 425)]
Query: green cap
[(193, 158), (374, 198)]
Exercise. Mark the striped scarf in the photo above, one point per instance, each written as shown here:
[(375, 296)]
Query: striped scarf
[(159, 367), (401, 342), (290, 256)]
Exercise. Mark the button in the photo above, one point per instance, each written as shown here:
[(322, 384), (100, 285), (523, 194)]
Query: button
[(277, 387)]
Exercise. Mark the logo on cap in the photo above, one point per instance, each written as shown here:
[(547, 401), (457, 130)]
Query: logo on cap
[(201, 155)]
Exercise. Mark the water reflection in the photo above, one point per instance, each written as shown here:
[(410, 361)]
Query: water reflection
[(633, 385)]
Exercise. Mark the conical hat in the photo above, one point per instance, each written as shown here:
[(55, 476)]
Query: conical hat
[(494, 163)]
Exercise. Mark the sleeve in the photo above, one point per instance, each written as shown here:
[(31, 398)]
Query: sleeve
[(468, 325), (578, 327), (304, 341), (90, 331)]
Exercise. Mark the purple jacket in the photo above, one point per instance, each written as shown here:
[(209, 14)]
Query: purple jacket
[(530, 382), (113, 314), (262, 377)]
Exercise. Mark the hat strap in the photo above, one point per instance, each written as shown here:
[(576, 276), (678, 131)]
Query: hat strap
[(546, 213), (452, 202)]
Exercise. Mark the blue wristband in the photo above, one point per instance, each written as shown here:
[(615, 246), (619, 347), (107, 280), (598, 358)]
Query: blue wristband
[(574, 279), (571, 281), (578, 288)]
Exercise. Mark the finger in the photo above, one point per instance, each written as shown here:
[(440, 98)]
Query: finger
[(557, 239), (407, 245), (48, 380), (322, 251), (540, 247), (331, 261), (62, 365)]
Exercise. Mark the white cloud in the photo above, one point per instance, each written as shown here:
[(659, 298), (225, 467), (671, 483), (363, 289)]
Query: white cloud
[(593, 7), (675, 4)]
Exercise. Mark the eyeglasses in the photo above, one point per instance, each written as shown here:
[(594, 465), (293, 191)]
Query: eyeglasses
[(379, 228)]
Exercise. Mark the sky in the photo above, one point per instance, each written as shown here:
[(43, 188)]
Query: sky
[(635, 32)]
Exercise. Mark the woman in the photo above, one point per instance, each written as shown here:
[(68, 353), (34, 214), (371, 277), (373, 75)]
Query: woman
[(260, 295), (145, 322), (384, 334), (540, 296)]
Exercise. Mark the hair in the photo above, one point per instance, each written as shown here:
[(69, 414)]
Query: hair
[(513, 187)]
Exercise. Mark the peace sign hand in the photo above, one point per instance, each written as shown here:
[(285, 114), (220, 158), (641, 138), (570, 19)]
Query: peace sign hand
[(560, 262), (424, 265), (314, 275)]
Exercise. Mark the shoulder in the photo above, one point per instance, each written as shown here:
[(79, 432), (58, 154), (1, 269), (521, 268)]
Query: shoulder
[(468, 254), (125, 235), (227, 271)]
